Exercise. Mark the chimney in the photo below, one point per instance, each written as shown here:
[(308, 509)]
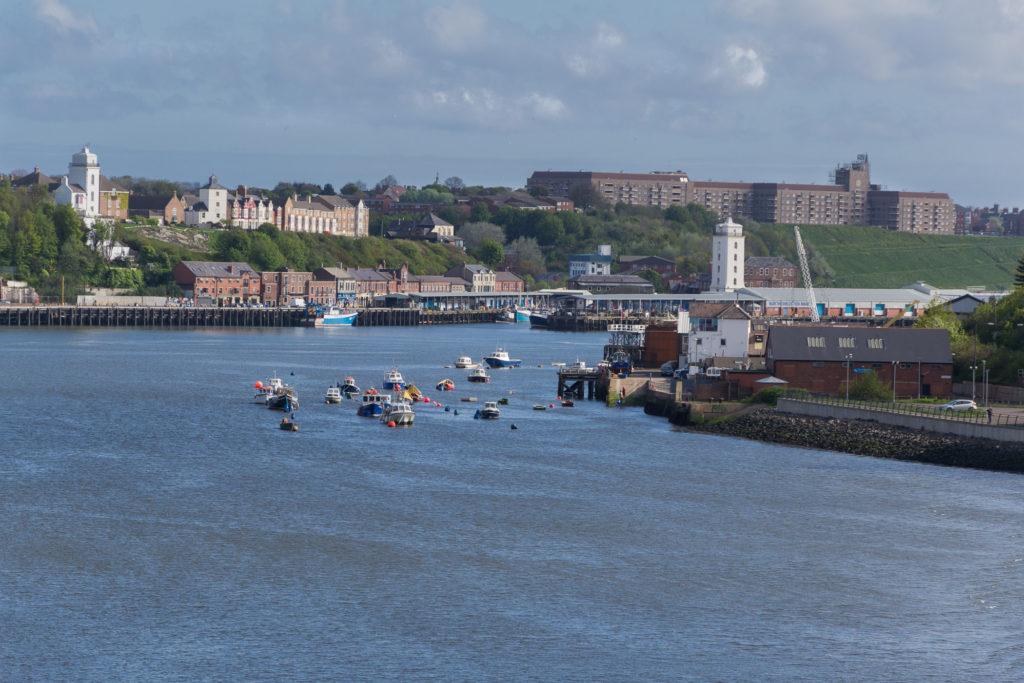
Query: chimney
[(37, 169), (243, 190)]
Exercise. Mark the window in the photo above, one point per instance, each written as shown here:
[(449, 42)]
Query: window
[(846, 342), (816, 342), (723, 342), (876, 343), (818, 364)]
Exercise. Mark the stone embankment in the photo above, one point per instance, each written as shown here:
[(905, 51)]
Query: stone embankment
[(865, 437)]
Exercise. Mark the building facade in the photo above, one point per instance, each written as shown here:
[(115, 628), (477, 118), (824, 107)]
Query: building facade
[(727, 257), (769, 271), (850, 200)]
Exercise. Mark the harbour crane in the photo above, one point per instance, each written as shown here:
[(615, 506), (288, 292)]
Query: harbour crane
[(805, 271)]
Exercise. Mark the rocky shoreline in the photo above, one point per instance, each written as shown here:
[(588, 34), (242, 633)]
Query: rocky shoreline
[(866, 437)]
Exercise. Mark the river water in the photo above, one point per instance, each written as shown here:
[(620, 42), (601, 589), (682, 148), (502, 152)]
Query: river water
[(156, 525)]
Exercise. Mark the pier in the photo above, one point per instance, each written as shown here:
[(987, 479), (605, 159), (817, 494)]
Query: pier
[(172, 317), (574, 382)]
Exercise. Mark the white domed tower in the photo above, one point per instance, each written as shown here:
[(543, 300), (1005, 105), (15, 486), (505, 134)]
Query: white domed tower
[(84, 171), (727, 257)]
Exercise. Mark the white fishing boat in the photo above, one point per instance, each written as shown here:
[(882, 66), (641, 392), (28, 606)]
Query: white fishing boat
[(398, 411), (466, 363), (478, 375), (266, 389), (333, 395), (490, 410)]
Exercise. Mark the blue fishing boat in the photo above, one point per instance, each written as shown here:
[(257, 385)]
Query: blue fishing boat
[(373, 404), (394, 381), (499, 359), (336, 317)]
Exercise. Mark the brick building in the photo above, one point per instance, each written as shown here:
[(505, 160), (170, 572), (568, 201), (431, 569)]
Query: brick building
[(769, 271), (224, 283), (825, 359), (851, 200)]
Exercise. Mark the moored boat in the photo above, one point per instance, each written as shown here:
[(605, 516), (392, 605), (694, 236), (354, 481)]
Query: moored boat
[(478, 375), (490, 410), (372, 404), (466, 363), (539, 318), (333, 395), (288, 425), (499, 359), (523, 315), (266, 389), (348, 387), (336, 317), (393, 381), (284, 399), (399, 412), (445, 385)]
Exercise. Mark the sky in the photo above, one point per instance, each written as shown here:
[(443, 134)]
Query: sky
[(332, 91)]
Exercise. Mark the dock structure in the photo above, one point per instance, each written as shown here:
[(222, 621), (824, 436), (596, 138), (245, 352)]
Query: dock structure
[(171, 317), (574, 382)]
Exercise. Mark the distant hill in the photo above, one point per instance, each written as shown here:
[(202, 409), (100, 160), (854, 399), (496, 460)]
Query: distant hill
[(871, 257)]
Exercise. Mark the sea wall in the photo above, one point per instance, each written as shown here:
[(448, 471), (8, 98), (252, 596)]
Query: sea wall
[(867, 437)]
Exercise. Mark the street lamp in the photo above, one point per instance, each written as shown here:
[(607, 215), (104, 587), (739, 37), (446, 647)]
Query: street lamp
[(894, 366), (984, 378), (848, 357)]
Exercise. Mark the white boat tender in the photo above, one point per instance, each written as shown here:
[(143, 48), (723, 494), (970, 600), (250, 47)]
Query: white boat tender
[(398, 411)]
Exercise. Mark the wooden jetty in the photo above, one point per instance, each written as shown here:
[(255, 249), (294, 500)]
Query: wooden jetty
[(574, 382)]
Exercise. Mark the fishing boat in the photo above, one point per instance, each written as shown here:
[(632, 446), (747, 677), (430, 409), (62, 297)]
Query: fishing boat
[(266, 389), (478, 375), (499, 359), (288, 425), (348, 387), (372, 404), (445, 385), (393, 381), (523, 315), (333, 395), (466, 363), (336, 317), (490, 410), (399, 412), (284, 399), (539, 318)]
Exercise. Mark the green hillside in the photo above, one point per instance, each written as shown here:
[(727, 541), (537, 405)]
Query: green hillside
[(848, 256)]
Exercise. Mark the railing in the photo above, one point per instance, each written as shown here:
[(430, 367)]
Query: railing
[(971, 416)]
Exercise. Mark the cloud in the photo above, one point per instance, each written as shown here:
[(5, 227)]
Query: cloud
[(457, 28), (485, 108), (63, 19), (590, 58), (389, 59), (740, 68)]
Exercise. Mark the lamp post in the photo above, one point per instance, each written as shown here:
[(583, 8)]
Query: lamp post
[(848, 357), (894, 366), (984, 378)]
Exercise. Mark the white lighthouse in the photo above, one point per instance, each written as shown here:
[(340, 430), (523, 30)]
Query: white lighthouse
[(727, 257), (84, 171)]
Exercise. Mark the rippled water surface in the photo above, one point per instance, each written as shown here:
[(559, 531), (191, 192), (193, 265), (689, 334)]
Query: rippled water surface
[(157, 525)]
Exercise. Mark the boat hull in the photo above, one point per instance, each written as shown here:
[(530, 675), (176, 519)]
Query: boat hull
[(500, 363), (339, 320)]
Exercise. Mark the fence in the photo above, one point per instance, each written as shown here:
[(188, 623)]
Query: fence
[(935, 412)]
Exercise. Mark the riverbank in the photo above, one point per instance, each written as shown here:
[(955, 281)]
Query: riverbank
[(866, 437)]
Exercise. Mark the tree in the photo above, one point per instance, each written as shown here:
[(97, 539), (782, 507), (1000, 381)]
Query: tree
[(473, 234), (867, 387), (538, 191), (384, 183), (1018, 274), (490, 253), (328, 189), (454, 184), (585, 195), (480, 213), (353, 188)]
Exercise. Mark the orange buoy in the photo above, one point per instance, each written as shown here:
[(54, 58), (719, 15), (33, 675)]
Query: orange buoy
[(391, 424), (551, 405), (259, 385)]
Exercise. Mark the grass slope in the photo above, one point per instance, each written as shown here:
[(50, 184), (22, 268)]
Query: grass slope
[(870, 257)]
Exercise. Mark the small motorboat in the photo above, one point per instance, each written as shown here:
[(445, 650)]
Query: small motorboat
[(373, 403), (445, 385), (288, 425), (266, 389), (539, 406), (468, 399), (333, 395), (283, 399), (348, 387), (490, 410), (503, 401), (394, 381), (466, 363), (398, 412), (499, 359), (478, 375), (567, 403)]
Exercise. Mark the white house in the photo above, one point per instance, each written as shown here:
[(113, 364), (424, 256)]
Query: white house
[(727, 257), (718, 331), (591, 264)]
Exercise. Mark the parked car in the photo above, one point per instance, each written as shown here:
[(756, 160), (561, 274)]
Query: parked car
[(959, 404)]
